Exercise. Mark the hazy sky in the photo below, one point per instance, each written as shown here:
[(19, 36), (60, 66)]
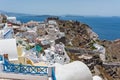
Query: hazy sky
[(62, 7)]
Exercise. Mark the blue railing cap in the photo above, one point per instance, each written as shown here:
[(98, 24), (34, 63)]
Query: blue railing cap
[(19, 68)]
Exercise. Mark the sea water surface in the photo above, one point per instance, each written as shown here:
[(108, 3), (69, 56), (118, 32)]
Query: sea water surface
[(108, 28)]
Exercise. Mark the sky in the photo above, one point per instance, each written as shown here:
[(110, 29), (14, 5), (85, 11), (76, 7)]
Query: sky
[(63, 7)]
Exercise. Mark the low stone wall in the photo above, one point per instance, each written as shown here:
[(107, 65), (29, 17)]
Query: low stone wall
[(79, 51)]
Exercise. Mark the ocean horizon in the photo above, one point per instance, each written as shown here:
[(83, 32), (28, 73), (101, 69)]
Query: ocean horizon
[(107, 28)]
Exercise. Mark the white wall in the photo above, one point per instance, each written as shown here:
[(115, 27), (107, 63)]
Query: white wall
[(73, 71), (8, 46)]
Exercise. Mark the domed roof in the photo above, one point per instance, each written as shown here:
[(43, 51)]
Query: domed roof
[(97, 78), (73, 71)]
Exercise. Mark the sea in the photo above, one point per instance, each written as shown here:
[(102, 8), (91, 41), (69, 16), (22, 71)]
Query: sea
[(107, 28)]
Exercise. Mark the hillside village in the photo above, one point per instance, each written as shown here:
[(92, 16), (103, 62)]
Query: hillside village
[(59, 41)]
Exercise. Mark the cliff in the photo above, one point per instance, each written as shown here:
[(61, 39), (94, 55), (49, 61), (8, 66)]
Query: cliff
[(80, 39), (112, 50), (77, 34), (80, 35)]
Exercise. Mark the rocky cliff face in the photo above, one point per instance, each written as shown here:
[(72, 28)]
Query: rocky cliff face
[(77, 34), (80, 35), (80, 39), (112, 50)]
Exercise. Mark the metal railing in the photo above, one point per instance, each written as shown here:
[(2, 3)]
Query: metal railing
[(25, 69)]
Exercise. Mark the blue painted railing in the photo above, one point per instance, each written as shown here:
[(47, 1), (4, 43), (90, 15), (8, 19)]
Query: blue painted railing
[(8, 34), (25, 69)]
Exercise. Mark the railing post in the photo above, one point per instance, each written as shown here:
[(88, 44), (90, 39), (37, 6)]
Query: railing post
[(1, 63), (20, 65), (1, 58), (1, 66), (49, 71), (53, 73)]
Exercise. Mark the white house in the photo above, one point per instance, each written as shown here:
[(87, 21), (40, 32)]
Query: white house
[(11, 19)]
